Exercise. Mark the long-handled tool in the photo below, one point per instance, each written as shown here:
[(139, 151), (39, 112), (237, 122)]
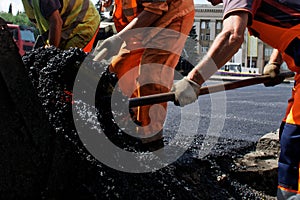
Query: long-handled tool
[(170, 96), (39, 42)]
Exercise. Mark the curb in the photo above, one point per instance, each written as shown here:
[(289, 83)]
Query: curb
[(236, 78)]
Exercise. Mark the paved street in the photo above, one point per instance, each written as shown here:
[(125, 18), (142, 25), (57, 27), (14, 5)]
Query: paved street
[(247, 113)]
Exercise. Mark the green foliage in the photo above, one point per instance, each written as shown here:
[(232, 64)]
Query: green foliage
[(10, 8), (191, 46), (20, 18), (189, 56)]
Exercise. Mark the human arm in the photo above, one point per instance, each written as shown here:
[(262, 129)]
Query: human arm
[(223, 48), (273, 68), (144, 19), (276, 57), (55, 28), (104, 50)]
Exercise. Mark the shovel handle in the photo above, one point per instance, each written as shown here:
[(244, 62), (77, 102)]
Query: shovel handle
[(170, 96)]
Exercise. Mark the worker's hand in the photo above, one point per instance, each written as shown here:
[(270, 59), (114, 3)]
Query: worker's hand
[(186, 91), (273, 69), (108, 48)]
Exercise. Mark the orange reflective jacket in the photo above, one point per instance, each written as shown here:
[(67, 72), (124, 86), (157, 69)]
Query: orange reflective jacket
[(279, 27), (125, 12)]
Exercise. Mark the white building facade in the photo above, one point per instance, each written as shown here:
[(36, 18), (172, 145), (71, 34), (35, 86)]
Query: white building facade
[(253, 54)]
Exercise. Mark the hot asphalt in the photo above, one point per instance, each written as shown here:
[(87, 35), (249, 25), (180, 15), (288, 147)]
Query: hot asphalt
[(247, 113)]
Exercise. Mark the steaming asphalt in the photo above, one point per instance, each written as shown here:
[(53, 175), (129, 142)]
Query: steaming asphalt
[(241, 114)]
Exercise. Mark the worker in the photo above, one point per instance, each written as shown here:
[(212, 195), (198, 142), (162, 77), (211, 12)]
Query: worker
[(65, 23), (136, 66), (276, 23)]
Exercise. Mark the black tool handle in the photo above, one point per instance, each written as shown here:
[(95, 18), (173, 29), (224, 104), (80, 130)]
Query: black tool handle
[(170, 96)]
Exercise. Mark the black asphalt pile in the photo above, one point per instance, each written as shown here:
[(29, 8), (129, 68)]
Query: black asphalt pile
[(73, 173)]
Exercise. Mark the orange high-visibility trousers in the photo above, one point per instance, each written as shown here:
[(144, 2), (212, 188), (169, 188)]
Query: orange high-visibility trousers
[(151, 71)]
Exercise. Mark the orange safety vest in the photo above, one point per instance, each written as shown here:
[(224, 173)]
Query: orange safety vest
[(125, 11), (277, 33)]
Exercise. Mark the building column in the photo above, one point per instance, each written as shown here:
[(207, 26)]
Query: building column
[(260, 56), (212, 26)]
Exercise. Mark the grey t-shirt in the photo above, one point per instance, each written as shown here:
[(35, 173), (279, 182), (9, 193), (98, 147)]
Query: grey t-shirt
[(230, 6)]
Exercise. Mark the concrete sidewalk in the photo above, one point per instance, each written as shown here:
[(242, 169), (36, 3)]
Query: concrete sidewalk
[(229, 78), (237, 78)]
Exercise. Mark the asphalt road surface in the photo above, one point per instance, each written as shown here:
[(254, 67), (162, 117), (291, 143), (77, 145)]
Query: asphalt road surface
[(242, 114)]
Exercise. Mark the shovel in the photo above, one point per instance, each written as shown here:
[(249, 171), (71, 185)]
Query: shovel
[(170, 96)]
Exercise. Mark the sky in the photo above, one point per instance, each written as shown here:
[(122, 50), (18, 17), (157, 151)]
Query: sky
[(18, 6)]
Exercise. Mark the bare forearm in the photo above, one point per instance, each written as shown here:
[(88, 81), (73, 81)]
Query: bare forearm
[(276, 57), (220, 52), (223, 48), (55, 28)]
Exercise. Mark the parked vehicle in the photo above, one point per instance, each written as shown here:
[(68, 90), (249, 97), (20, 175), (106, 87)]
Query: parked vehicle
[(232, 67), (23, 37), (236, 69)]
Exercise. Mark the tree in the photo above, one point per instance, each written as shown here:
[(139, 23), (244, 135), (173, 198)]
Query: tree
[(10, 9), (20, 19), (189, 56)]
